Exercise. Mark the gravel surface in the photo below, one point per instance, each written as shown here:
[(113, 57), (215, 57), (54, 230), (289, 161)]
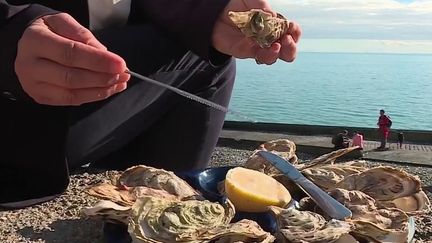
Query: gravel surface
[(60, 220)]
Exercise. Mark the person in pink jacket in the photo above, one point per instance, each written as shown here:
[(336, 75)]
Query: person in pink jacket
[(357, 140)]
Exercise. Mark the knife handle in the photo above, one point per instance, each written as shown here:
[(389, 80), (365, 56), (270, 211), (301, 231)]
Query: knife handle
[(327, 203)]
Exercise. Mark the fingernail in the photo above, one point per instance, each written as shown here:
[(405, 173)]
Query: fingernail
[(114, 79)]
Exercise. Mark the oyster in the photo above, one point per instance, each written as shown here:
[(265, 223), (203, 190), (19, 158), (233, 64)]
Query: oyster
[(282, 147), (157, 179), (381, 225), (390, 187), (327, 176), (161, 220), (328, 158), (242, 231), (108, 211), (127, 196), (261, 26), (304, 226)]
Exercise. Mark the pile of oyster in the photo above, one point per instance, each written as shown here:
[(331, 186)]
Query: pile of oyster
[(158, 206)]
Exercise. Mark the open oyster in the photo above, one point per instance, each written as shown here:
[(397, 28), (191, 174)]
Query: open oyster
[(327, 176), (380, 225), (157, 179), (282, 147), (260, 25), (390, 187), (127, 196), (161, 220), (304, 226)]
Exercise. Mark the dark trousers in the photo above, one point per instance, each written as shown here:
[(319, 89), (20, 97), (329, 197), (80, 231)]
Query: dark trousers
[(148, 124), (144, 124)]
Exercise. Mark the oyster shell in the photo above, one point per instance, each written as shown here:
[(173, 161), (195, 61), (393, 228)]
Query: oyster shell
[(161, 220), (381, 225), (327, 176), (328, 158), (127, 196), (261, 26), (282, 147), (304, 226), (157, 179), (108, 211), (390, 187)]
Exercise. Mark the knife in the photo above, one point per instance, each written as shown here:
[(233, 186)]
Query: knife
[(328, 204)]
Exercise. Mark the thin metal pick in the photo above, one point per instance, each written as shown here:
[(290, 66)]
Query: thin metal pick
[(179, 91)]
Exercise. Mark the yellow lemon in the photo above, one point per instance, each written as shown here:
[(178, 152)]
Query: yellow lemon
[(253, 191)]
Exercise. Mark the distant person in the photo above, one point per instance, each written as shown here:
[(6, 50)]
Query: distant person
[(341, 140), (400, 139), (384, 124), (357, 140)]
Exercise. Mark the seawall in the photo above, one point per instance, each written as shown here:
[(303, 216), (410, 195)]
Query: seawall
[(411, 136)]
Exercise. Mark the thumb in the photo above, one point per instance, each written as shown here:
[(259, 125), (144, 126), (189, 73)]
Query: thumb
[(65, 25)]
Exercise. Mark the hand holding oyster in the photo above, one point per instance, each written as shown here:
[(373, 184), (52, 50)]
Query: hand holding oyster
[(260, 25)]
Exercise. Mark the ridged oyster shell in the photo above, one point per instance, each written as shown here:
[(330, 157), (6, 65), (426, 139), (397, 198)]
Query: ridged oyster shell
[(261, 26), (304, 226), (381, 225), (157, 179), (282, 147), (108, 211), (126, 196), (160, 220), (326, 176), (390, 187)]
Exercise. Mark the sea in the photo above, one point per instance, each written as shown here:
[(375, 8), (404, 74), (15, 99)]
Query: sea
[(336, 89)]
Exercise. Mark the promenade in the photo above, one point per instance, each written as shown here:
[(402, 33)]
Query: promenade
[(416, 154)]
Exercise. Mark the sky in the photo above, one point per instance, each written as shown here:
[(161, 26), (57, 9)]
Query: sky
[(372, 26)]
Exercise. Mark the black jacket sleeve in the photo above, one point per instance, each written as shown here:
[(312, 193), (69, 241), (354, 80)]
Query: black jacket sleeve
[(13, 21), (191, 22)]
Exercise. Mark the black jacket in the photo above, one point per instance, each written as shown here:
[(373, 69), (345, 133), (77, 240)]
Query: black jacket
[(32, 162)]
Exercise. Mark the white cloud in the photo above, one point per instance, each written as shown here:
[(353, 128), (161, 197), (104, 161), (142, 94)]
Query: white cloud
[(360, 19)]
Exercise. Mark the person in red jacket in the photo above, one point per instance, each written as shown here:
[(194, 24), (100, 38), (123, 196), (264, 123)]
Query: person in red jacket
[(66, 100), (384, 124)]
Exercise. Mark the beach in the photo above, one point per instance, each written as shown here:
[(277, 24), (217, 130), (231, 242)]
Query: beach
[(60, 220)]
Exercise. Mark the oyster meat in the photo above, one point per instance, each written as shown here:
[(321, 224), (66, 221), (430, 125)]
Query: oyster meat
[(304, 226), (161, 220), (157, 179), (390, 187), (260, 26)]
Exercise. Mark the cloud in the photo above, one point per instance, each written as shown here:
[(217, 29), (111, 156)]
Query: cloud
[(360, 19)]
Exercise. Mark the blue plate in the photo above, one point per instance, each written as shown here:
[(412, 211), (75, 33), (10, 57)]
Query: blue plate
[(205, 181)]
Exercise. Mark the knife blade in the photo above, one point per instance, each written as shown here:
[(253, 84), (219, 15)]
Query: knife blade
[(327, 203)]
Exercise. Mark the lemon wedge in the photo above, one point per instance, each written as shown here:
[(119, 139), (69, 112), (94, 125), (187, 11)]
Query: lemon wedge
[(253, 191)]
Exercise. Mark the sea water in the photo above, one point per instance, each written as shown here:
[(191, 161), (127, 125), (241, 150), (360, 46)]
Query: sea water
[(337, 89)]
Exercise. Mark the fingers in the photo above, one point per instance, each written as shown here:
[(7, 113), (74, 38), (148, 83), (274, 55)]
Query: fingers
[(73, 53), (65, 25), (49, 94), (289, 49), (268, 56), (71, 78), (295, 31)]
